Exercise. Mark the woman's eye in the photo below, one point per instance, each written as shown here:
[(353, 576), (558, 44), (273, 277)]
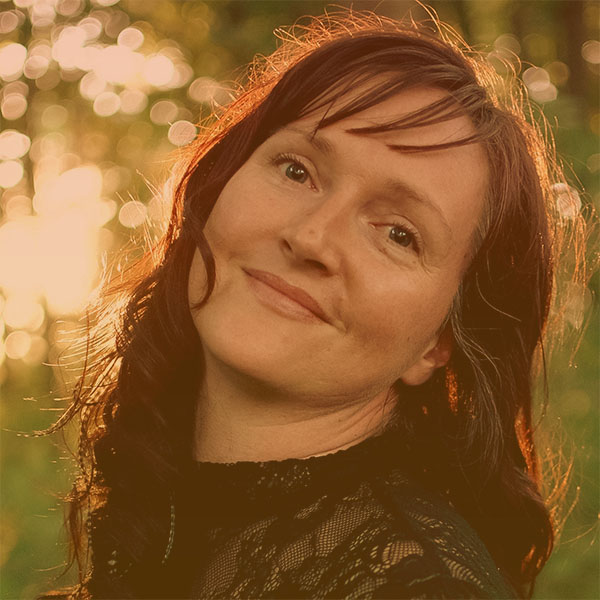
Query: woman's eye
[(296, 172), (403, 237)]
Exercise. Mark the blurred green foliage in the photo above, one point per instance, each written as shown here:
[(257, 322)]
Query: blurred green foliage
[(76, 115)]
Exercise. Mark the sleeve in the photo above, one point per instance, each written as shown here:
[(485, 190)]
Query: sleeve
[(415, 577)]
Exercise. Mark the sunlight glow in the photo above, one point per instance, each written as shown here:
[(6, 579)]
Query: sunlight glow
[(74, 189), (118, 64), (70, 264), (59, 256), (18, 240), (21, 311)]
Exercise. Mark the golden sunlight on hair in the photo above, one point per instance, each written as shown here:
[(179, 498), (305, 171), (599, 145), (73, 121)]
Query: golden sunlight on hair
[(105, 103)]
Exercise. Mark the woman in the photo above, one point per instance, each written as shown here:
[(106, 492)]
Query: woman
[(322, 379)]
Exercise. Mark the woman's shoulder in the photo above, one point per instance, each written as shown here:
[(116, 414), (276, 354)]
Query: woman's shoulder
[(434, 551)]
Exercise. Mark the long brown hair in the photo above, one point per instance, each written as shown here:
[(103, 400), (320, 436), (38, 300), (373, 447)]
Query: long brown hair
[(470, 426)]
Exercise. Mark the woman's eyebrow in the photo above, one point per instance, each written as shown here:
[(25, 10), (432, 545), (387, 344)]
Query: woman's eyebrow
[(396, 188), (322, 144)]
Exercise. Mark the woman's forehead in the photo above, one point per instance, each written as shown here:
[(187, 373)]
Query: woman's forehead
[(389, 111)]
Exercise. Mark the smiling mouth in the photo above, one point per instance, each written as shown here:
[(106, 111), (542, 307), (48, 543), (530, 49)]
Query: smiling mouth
[(285, 298)]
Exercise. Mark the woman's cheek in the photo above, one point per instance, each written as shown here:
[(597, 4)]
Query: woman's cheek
[(403, 320)]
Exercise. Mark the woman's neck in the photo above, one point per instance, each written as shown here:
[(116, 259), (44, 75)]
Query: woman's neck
[(238, 419)]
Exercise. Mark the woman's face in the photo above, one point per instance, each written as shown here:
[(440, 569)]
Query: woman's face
[(338, 257)]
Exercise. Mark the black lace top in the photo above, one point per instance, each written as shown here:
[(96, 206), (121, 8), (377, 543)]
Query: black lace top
[(343, 525)]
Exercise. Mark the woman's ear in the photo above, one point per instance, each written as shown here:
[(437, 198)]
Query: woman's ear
[(434, 357)]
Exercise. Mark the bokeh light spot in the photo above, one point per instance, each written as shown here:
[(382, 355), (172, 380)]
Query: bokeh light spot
[(104, 211), (12, 59), (133, 101), (558, 71), (181, 133), (17, 206), (115, 178), (568, 202), (54, 116), (106, 239), (116, 22), (92, 28), (18, 239), (159, 207), (118, 64), (69, 8), (535, 75), (577, 299), (51, 145), (14, 106), (133, 214), (91, 86), (13, 144), (35, 66), (68, 47), (21, 311), (129, 146), (17, 344), (9, 21), (16, 87), (590, 51), (163, 112), (107, 104), (48, 80), (77, 187), (538, 83), (38, 350), (203, 89), (11, 172), (507, 41), (158, 70), (131, 38), (42, 14), (593, 163)]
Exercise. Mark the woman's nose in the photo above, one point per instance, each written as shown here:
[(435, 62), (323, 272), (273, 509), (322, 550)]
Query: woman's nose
[(315, 237)]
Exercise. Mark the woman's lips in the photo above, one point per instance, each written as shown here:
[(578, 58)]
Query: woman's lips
[(288, 299)]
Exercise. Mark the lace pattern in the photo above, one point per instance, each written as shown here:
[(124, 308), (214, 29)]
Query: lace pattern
[(346, 525)]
